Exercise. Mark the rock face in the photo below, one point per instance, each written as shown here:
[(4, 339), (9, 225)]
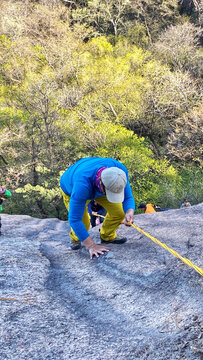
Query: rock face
[(136, 302)]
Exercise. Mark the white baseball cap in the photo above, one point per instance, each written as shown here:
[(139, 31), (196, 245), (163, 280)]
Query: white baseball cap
[(114, 180)]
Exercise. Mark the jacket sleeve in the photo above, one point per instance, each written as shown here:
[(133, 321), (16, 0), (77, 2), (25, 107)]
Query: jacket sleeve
[(80, 195), (129, 202)]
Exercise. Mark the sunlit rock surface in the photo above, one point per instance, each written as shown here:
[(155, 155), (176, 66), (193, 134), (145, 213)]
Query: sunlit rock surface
[(137, 302)]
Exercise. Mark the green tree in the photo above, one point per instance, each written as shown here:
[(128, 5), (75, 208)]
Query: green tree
[(123, 84), (64, 97), (150, 178)]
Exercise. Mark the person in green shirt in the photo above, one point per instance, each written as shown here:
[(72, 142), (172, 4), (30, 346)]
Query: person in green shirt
[(4, 194), (185, 204)]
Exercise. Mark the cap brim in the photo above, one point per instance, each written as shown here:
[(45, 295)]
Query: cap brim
[(115, 197)]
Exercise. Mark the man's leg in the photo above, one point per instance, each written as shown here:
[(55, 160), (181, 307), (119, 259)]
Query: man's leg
[(93, 220), (114, 217)]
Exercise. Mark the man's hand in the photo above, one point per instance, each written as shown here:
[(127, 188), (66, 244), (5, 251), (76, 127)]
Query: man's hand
[(94, 249), (129, 217)]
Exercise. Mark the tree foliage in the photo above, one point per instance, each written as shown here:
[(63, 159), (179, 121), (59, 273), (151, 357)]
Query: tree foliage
[(185, 143), (179, 47), (125, 16), (67, 93)]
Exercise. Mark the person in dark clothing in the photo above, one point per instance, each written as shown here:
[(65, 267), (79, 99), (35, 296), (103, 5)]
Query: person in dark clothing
[(159, 208), (95, 207), (4, 194)]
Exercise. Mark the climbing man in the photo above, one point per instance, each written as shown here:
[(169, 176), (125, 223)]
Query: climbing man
[(105, 180), (4, 194)]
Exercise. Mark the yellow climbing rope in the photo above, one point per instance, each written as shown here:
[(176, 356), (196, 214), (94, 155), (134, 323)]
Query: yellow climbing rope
[(186, 261)]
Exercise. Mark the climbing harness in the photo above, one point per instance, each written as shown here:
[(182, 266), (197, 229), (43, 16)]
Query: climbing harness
[(186, 261)]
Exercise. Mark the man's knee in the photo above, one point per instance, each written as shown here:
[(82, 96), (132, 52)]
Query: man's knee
[(118, 214), (122, 216)]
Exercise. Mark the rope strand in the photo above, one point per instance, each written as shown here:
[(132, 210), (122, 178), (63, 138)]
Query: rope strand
[(185, 260)]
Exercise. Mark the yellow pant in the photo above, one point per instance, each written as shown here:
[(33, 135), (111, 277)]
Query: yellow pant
[(113, 218)]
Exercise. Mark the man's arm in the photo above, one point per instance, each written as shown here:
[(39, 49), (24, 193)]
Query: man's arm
[(76, 211), (128, 205)]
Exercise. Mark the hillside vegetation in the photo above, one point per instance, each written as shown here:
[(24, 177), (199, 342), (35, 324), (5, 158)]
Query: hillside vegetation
[(101, 78)]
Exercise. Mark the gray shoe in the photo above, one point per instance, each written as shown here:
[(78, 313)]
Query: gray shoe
[(76, 245), (117, 240)]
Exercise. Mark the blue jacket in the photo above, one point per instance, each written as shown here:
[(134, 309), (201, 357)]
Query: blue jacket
[(78, 182)]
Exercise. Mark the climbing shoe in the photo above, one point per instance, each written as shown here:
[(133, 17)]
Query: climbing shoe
[(117, 240), (75, 245)]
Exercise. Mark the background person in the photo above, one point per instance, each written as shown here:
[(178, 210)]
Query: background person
[(186, 203), (159, 208), (95, 208), (105, 180), (4, 194)]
